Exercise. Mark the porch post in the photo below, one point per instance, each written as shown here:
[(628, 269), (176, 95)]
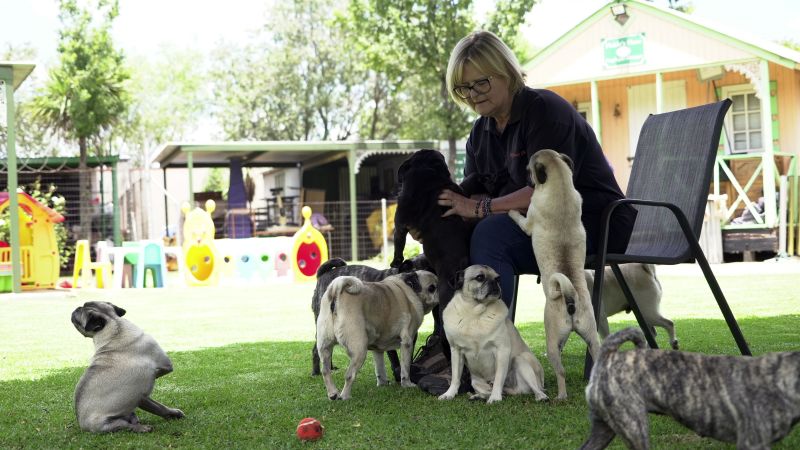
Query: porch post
[(189, 165), (596, 111), (351, 175), (768, 161), (659, 93), (7, 76)]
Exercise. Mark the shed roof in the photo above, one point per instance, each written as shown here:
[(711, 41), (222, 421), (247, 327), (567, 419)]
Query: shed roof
[(277, 153), (19, 70)]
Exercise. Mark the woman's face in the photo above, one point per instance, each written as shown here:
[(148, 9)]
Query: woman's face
[(494, 103)]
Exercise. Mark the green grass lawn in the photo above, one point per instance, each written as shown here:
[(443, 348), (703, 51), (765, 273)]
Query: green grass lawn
[(242, 363)]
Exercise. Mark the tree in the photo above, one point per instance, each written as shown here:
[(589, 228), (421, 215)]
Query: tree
[(297, 82), (85, 94), (168, 101), (412, 40)]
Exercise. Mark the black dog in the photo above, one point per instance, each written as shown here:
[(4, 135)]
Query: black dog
[(445, 240), (337, 267)]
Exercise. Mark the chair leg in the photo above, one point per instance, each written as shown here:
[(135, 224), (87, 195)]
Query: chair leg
[(597, 298), (646, 329), (698, 254), (512, 310), (723, 304)]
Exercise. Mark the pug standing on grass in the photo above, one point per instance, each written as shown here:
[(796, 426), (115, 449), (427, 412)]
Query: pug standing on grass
[(646, 290), (750, 401), (559, 244), (376, 316), (479, 331), (121, 374)]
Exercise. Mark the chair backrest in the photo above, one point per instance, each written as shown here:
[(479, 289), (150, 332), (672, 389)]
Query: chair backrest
[(674, 162)]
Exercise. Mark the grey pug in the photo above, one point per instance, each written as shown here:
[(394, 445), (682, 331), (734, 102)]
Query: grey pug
[(750, 401), (376, 316), (554, 223), (121, 374), (479, 331), (646, 289)]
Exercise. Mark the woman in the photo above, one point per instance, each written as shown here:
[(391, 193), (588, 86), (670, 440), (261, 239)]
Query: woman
[(515, 122)]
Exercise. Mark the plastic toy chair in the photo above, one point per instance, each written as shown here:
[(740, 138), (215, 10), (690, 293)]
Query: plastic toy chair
[(154, 260), (83, 266)]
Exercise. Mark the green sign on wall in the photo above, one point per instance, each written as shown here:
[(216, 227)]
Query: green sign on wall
[(624, 51)]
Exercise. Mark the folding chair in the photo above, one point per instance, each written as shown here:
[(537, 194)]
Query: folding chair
[(668, 186)]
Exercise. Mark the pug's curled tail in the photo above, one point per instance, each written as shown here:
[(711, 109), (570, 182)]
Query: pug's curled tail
[(351, 285), (560, 286), (613, 342)]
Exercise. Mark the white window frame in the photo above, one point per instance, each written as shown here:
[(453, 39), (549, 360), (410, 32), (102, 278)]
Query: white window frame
[(729, 92), (586, 108)]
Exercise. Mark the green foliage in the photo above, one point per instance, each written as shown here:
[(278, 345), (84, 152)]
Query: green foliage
[(298, 81), (411, 41), (51, 199), (168, 102), (85, 94), (216, 181)]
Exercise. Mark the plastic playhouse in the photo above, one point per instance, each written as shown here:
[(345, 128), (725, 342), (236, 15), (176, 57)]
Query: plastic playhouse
[(199, 250), (310, 249), (37, 240)]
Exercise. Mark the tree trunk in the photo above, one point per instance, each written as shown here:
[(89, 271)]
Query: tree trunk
[(85, 186)]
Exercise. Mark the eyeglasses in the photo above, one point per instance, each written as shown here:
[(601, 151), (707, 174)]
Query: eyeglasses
[(482, 86)]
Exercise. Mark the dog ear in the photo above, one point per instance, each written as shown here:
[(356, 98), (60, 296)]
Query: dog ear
[(94, 322), (457, 281), (567, 160), (541, 173), (120, 312), (412, 279)]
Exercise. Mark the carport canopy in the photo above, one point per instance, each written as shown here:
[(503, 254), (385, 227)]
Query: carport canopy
[(303, 154)]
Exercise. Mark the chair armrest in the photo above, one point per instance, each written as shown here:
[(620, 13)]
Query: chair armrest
[(606, 219)]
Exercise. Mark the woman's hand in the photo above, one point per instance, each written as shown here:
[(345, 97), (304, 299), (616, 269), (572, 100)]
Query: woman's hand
[(458, 204)]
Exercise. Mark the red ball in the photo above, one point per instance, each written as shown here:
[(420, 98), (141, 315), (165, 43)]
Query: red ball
[(309, 429)]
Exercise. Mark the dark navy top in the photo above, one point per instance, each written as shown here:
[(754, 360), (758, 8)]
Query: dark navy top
[(496, 162)]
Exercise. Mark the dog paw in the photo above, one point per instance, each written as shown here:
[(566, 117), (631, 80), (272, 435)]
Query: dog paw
[(447, 396), (139, 428), (407, 384), (675, 344), (541, 398), (494, 399), (397, 262), (476, 397), (383, 383), (175, 413), (561, 397)]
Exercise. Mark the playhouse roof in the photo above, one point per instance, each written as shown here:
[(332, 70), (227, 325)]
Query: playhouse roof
[(54, 215)]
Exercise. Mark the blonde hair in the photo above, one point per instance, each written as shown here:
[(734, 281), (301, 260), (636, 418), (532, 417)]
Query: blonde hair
[(490, 56)]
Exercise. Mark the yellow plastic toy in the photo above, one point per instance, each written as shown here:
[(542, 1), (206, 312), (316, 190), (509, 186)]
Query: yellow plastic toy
[(83, 266), (199, 251), (310, 249), (37, 241)]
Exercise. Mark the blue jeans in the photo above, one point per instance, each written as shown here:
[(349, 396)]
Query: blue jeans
[(500, 243)]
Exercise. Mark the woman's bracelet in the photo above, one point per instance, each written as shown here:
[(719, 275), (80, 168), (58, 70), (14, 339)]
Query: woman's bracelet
[(487, 206), (478, 207)]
